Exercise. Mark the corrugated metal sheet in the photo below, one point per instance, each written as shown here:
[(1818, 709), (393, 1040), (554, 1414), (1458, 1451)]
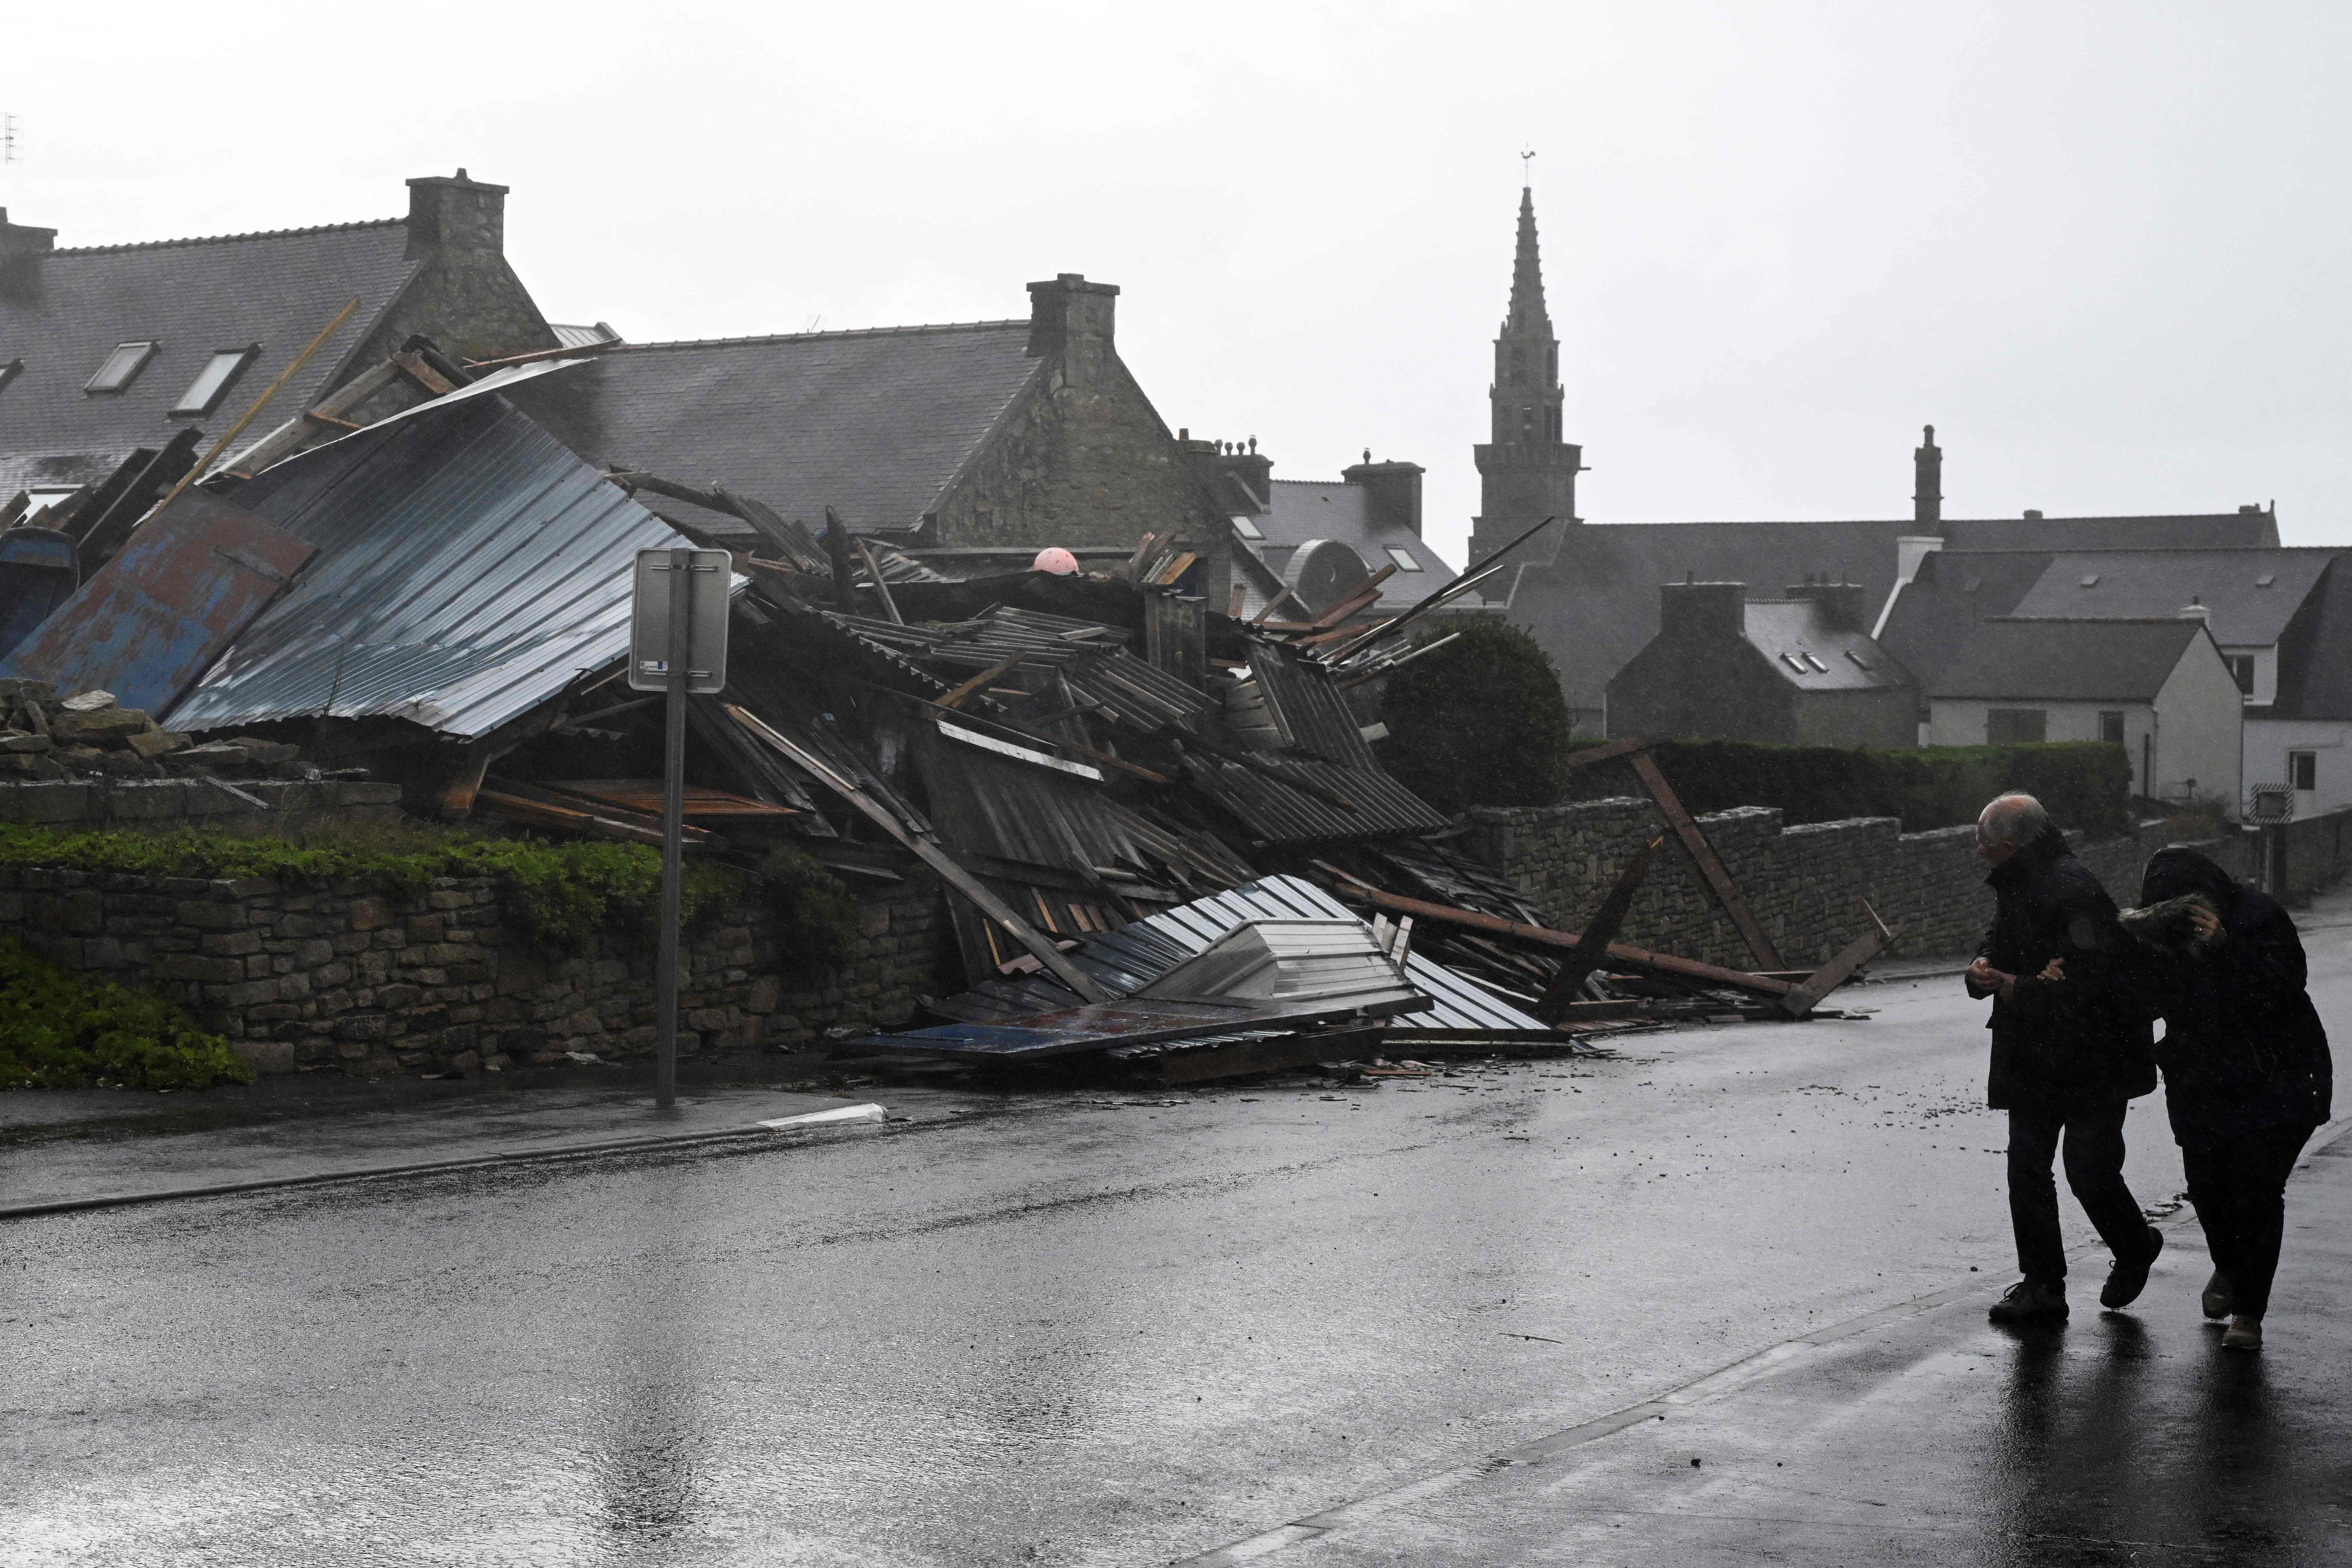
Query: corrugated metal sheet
[(155, 617), (1101, 674), (37, 574), (1278, 962), (1310, 710), (469, 568), (1284, 799)]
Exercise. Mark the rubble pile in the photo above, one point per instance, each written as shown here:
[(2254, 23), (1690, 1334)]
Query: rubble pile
[(85, 736)]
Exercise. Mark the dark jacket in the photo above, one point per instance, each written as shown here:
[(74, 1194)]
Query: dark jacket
[(2062, 1045), (2244, 1050)]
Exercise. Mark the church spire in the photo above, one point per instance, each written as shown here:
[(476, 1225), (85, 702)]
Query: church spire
[(1526, 468)]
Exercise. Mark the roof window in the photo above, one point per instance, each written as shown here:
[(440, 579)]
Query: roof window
[(2092, 581), (213, 382), (122, 366), (1403, 558), (1859, 662), (1815, 660), (10, 371), (1793, 662), (1245, 528), (2265, 581)]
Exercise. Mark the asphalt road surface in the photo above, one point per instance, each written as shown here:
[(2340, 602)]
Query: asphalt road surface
[(1121, 1329)]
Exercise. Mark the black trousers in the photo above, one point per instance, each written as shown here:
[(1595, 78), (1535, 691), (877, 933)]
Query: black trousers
[(2240, 1191), (2095, 1170)]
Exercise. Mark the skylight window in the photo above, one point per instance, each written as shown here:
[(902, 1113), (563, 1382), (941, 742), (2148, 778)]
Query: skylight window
[(1403, 558), (1793, 662), (213, 382), (1245, 528), (122, 367), (2265, 581), (10, 371), (1860, 662), (2092, 581)]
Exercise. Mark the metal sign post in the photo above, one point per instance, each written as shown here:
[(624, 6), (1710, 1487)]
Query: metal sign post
[(678, 645)]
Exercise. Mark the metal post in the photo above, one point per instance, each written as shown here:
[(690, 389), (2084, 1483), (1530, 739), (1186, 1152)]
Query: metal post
[(680, 655)]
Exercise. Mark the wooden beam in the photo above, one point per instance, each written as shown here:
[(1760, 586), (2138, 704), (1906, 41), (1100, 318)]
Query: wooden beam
[(261, 403), (1368, 592), (926, 850), (1802, 999), (977, 681), (1636, 959), (1669, 804), (1599, 932), (1607, 751), (873, 570), (430, 382)]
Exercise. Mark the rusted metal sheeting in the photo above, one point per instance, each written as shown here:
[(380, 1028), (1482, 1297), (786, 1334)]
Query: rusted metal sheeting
[(1290, 799), (469, 568), (37, 574), (155, 617)]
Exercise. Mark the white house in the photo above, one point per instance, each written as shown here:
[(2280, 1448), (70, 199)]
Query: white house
[(2158, 687)]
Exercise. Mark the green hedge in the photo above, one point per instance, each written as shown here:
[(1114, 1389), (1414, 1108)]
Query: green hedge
[(61, 1028), (2084, 784), (1479, 721)]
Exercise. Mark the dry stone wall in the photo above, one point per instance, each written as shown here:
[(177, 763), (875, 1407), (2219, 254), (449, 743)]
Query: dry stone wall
[(343, 974), (1805, 884)]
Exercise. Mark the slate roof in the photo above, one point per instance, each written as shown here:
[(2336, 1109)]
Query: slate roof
[(874, 423), (1934, 615), (1784, 628), (2010, 660), (1302, 510), (192, 296), (2250, 595), (1593, 604)]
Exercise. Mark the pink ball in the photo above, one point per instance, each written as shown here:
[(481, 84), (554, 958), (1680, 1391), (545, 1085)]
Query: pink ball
[(1054, 559)]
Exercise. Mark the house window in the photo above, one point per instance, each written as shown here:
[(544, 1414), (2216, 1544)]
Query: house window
[(2242, 670), (2302, 769), (10, 371), (1403, 558), (1245, 528), (122, 366), (213, 382), (2111, 726), (2016, 726)]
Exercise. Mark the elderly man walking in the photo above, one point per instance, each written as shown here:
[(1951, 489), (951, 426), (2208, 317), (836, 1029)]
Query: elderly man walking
[(2070, 1050)]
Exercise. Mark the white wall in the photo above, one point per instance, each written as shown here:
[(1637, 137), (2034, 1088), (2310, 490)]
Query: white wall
[(1954, 722), (2201, 729), (2265, 691), (2268, 740)]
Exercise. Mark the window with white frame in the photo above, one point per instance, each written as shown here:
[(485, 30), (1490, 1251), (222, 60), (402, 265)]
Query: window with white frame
[(2303, 770), (122, 366), (1403, 558), (213, 382)]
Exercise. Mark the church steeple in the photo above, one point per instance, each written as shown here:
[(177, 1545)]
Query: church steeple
[(1527, 469)]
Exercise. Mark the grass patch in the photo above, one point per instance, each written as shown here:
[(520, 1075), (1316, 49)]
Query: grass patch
[(62, 1028)]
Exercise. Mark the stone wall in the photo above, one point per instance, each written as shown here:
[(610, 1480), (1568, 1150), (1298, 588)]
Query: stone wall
[(346, 975), (1805, 884), (164, 804)]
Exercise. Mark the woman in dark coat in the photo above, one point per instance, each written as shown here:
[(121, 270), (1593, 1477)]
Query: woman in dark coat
[(2247, 1074)]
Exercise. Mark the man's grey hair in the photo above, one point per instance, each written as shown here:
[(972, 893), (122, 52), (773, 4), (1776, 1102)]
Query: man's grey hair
[(2013, 819)]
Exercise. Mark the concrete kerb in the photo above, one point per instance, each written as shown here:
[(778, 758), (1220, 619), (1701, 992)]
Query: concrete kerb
[(1724, 1380), (779, 1128)]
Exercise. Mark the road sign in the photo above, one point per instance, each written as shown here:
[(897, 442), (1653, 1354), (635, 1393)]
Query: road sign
[(709, 576)]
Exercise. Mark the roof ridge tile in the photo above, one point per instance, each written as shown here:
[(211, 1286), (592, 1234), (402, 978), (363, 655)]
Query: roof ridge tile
[(1022, 322), (227, 238)]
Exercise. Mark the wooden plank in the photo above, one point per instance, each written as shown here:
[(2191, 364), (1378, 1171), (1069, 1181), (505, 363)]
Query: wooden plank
[(1174, 569), (929, 852), (539, 814), (1802, 999), (1635, 958), (950, 698), (1608, 751), (1367, 594), (431, 382), (1760, 945), (334, 421), (1599, 932), (262, 402), (873, 570)]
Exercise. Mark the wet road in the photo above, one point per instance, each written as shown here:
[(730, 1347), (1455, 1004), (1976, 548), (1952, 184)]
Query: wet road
[(1087, 1331)]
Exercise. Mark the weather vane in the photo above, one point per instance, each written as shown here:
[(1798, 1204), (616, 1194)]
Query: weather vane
[(1526, 168)]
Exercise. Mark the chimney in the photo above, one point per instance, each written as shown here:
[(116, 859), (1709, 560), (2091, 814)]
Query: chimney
[(1239, 480), (460, 215), (1697, 611), (1072, 317), (1927, 483), (21, 250), (1391, 491), (1845, 605)]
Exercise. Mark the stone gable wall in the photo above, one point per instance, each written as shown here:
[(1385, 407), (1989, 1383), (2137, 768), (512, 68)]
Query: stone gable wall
[(343, 974), (1805, 885)]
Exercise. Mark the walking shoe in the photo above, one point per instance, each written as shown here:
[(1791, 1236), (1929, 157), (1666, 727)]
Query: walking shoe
[(2245, 1334), (2029, 1301), (2128, 1278), (2217, 1297)]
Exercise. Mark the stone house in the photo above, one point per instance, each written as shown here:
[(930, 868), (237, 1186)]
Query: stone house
[(2158, 688), (108, 350), (971, 446), (1321, 540), (1799, 670)]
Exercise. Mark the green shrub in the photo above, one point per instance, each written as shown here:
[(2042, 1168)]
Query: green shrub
[(1480, 722), (61, 1028), (2084, 784), (819, 913)]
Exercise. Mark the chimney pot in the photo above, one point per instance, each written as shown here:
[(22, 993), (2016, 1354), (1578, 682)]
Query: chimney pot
[(1928, 487)]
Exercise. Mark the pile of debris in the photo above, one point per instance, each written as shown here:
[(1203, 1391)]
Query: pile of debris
[(87, 735)]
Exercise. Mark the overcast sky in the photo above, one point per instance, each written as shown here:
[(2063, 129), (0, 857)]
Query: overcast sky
[(2103, 249)]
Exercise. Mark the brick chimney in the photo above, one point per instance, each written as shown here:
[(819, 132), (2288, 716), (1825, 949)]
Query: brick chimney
[(21, 250), (1391, 491), (1927, 483), (1072, 317), (458, 216), (1845, 605), (1697, 611)]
